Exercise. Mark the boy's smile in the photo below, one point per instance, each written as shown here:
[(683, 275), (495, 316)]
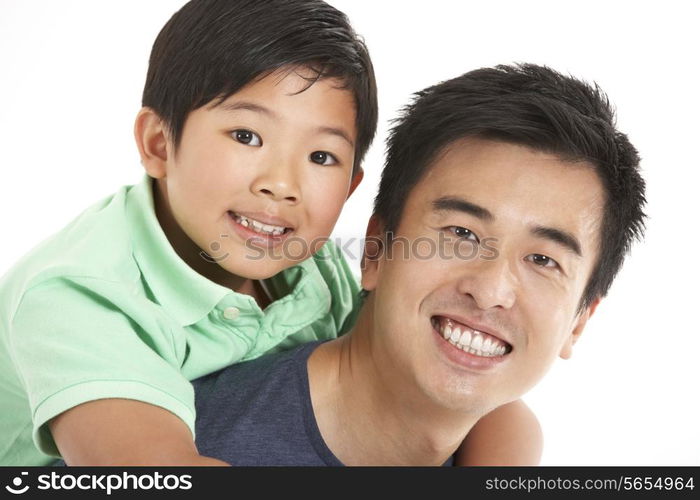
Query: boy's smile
[(258, 180)]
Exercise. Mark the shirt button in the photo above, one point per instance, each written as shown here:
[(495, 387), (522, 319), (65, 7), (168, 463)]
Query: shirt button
[(231, 313)]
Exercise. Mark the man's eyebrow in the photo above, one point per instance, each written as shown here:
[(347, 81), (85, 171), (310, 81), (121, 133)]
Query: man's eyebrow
[(244, 105), (454, 204), (563, 238)]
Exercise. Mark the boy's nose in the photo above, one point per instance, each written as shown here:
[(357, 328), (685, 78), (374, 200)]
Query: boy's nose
[(279, 193), (277, 187)]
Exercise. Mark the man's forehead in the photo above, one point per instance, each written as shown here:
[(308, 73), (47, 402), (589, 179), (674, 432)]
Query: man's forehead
[(517, 184)]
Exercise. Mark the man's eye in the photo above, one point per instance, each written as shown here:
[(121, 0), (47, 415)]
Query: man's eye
[(463, 232), (542, 260), (323, 158), (247, 137)]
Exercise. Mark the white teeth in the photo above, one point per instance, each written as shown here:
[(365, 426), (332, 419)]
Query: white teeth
[(477, 341), (466, 338), (259, 227), (447, 332), (471, 341)]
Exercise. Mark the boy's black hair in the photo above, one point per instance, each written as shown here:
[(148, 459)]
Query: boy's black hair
[(528, 105), (210, 49)]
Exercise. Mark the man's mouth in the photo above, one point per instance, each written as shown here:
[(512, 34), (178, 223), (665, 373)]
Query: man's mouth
[(260, 227), (470, 340)]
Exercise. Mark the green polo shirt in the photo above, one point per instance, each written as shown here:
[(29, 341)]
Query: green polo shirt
[(106, 309)]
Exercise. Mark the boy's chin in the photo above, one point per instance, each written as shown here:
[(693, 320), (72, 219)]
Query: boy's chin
[(261, 269)]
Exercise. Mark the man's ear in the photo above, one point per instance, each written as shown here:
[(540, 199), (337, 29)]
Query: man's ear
[(372, 253), (580, 323), (356, 179), (152, 140)]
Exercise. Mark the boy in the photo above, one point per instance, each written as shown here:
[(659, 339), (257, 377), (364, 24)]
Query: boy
[(256, 118)]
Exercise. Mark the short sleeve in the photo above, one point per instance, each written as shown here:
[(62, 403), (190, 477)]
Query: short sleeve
[(74, 342)]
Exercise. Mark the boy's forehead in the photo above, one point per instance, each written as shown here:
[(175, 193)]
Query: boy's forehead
[(285, 97), (287, 81)]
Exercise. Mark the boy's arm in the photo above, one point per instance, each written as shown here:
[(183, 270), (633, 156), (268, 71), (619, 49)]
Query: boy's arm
[(509, 435), (124, 432)]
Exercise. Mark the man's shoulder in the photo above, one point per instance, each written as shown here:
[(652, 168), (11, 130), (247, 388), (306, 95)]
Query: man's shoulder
[(251, 375), (259, 412), (258, 384)]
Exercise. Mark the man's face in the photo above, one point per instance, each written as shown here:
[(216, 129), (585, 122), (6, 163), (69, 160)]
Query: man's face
[(518, 235), (268, 169)]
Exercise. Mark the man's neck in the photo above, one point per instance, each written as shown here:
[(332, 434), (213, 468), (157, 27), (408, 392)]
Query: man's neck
[(366, 419)]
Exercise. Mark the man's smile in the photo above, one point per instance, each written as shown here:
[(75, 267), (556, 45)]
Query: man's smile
[(470, 340)]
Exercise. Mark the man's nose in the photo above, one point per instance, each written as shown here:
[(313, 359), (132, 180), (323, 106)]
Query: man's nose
[(278, 182), (490, 282)]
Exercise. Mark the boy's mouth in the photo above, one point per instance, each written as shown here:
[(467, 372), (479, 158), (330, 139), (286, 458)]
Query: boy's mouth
[(267, 227)]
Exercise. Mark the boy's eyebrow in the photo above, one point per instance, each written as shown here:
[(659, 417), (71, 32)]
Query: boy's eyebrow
[(257, 108), (249, 106), (455, 204), (339, 132), (559, 236)]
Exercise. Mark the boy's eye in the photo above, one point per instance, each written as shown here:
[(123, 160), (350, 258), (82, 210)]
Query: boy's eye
[(464, 233), (542, 260), (247, 137), (323, 158)]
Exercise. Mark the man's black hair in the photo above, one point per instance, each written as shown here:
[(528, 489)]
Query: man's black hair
[(210, 49), (528, 105)]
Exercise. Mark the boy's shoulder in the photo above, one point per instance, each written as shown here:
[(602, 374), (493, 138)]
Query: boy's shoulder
[(335, 269), (96, 245), (324, 290)]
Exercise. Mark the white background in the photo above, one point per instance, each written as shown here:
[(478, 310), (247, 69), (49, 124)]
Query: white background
[(71, 75)]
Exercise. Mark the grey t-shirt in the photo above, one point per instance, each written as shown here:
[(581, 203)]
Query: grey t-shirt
[(259, 413)]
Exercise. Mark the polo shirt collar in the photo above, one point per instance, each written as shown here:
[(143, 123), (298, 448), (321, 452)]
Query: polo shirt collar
[(187, 295)]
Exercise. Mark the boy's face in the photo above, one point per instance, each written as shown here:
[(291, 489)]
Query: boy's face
[(259, 181), (495, 223)]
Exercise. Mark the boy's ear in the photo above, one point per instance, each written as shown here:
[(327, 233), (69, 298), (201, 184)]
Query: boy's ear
[(356, 179), (152, 141), (581, 321), (372, 253)]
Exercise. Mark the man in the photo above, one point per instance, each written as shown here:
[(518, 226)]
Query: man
[(506, 207)]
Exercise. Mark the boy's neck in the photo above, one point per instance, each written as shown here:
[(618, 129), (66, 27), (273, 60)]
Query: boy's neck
[(191, 254), (366, 420)]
